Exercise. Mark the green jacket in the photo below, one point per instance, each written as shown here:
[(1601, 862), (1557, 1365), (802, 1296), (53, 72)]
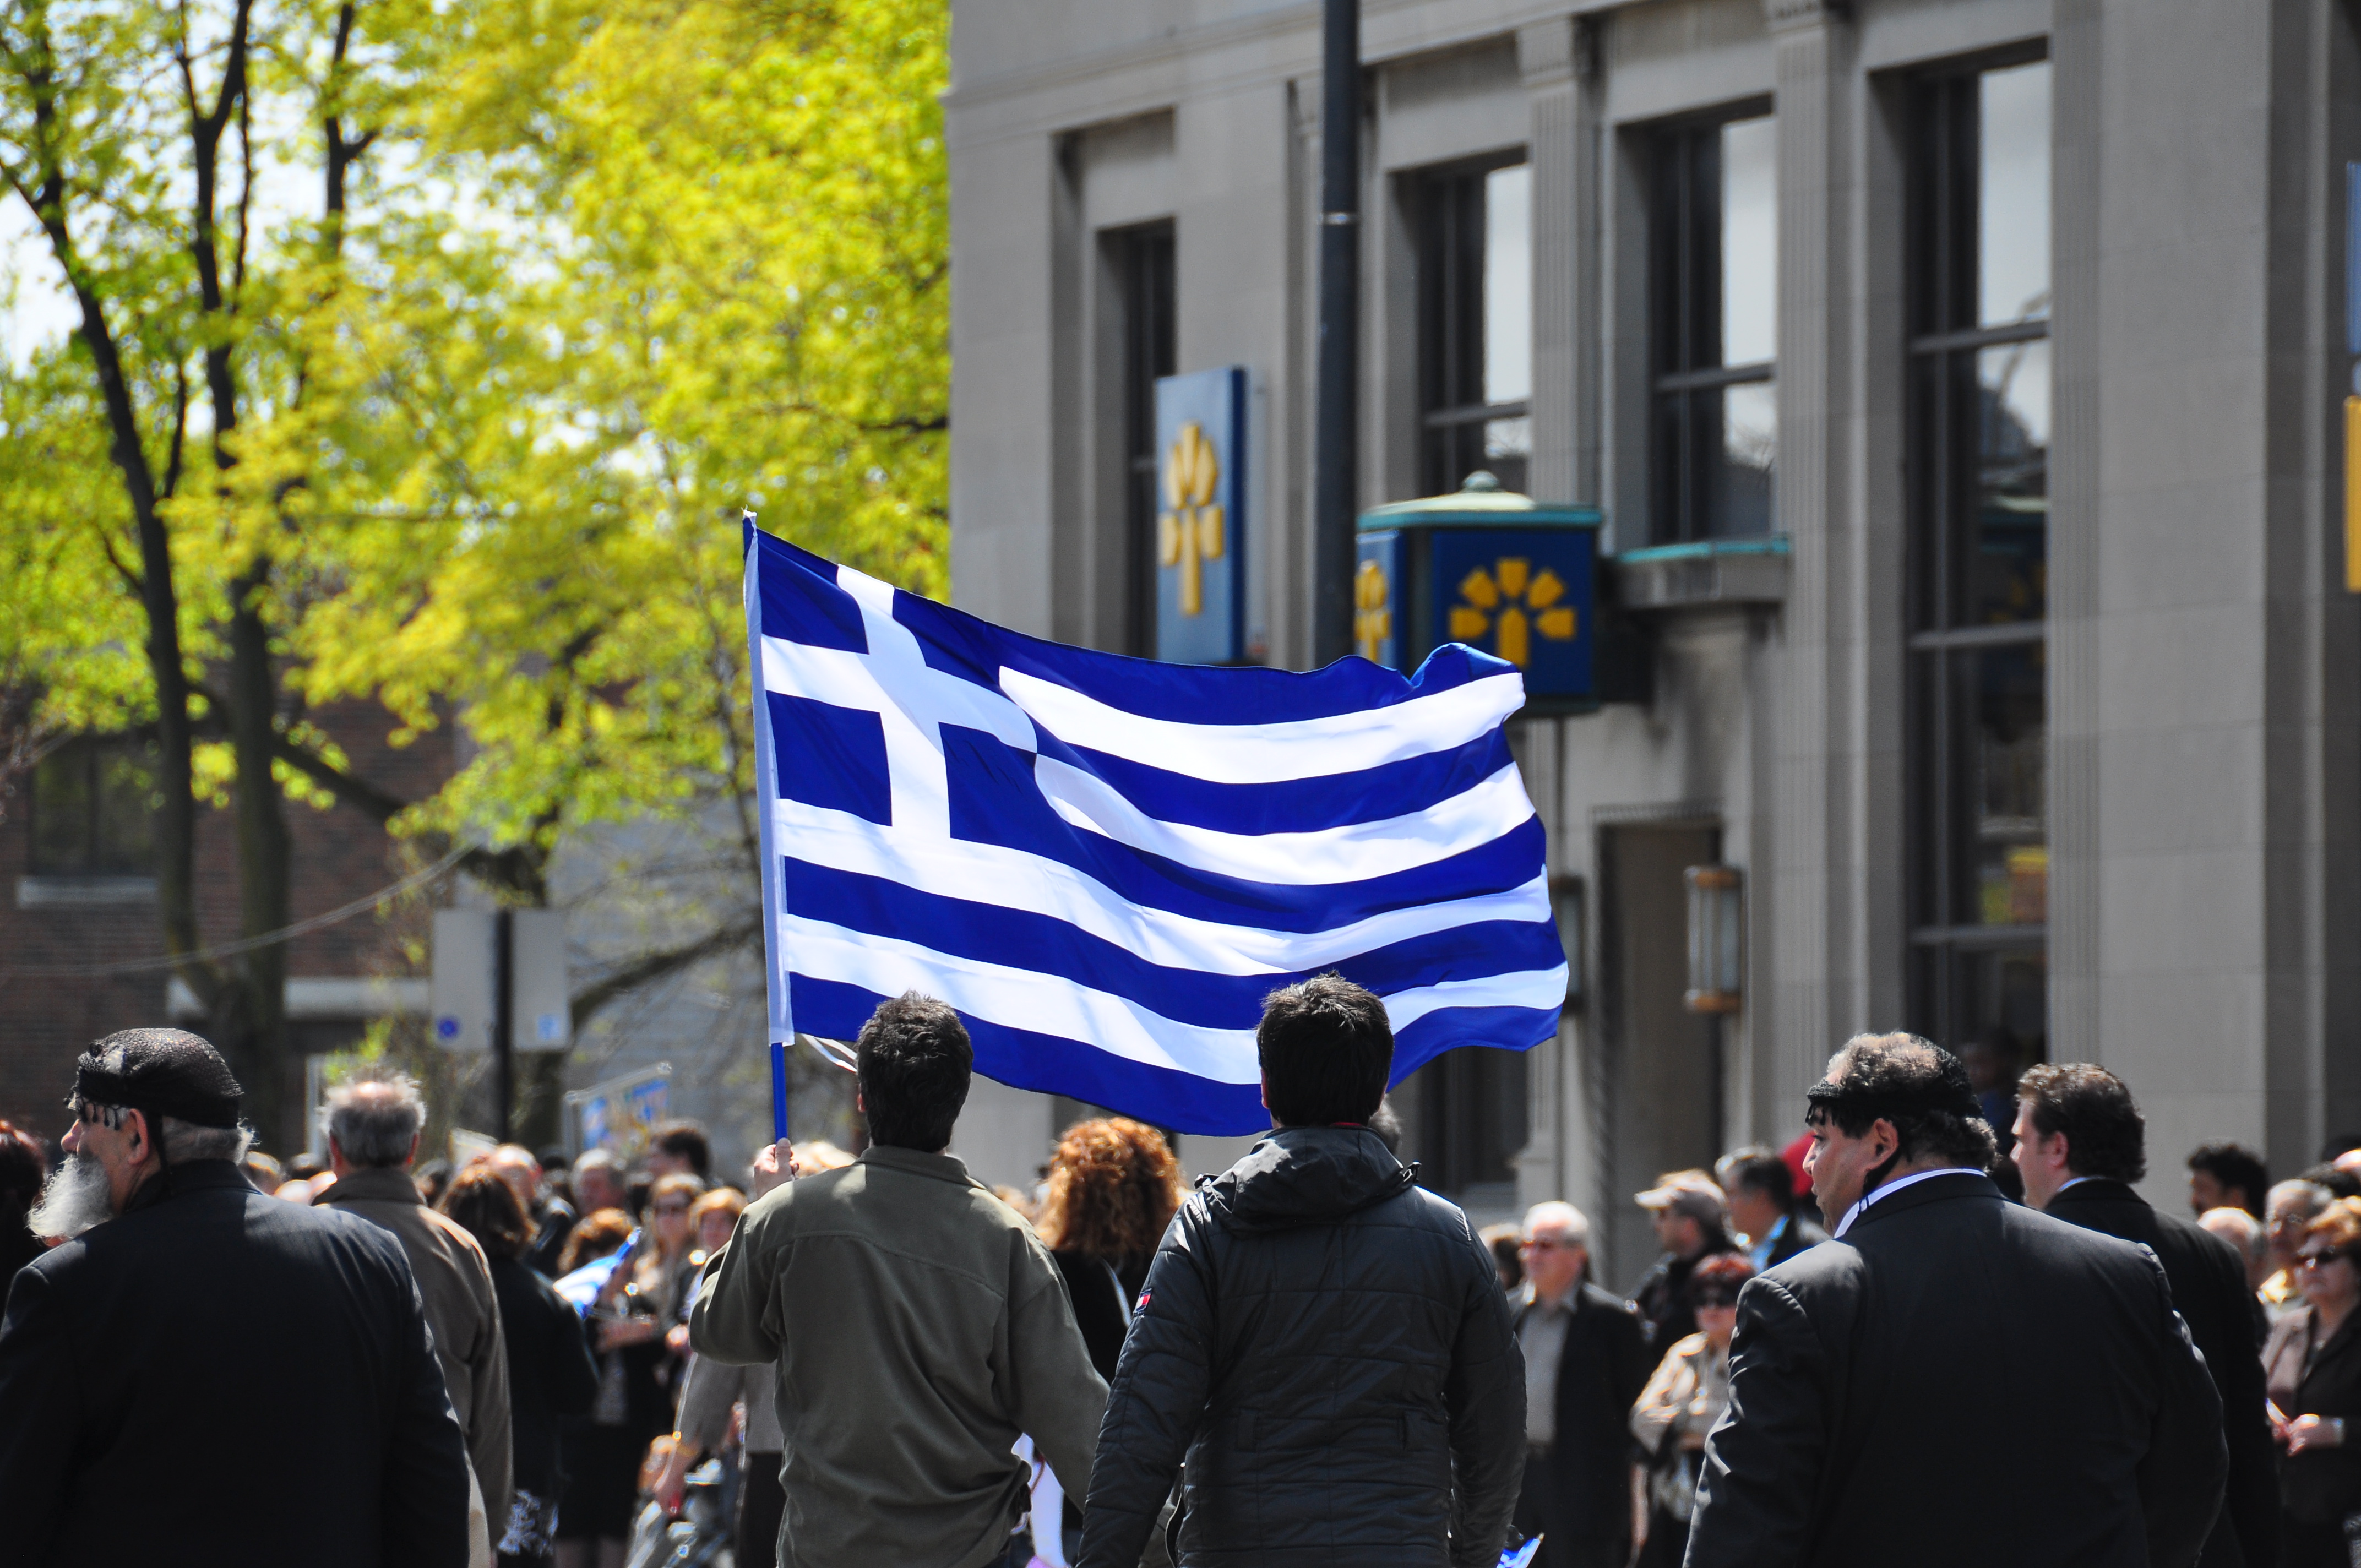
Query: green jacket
[(920, 1327)]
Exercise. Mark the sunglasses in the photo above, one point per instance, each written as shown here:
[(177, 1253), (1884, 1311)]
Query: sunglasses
[(1716, 1298)]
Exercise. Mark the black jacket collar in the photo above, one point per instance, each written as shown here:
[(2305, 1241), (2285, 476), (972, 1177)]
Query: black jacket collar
[(2098, 1189), (177, 1181), (1943, 1187)]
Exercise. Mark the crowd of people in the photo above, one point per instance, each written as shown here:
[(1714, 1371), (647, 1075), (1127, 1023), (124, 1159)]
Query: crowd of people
[(843, 1360)]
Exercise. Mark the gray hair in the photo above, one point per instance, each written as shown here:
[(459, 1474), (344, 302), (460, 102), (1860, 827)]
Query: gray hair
[(2240, 1229), (599, 1160), (185, 1141), (375, 1121), (1559, 1216), (2314, 1196)]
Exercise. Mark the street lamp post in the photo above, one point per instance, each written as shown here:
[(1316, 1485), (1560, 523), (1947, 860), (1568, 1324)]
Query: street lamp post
[(1336, 450)]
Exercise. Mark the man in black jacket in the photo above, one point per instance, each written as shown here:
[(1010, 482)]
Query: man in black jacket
[(1586, 1361), (1326, 1341), (1762, 1205), (2081, 1142), (190, 1312), (1952, 1380)]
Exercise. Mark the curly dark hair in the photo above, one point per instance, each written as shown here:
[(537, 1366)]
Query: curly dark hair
[(2236, 1166), (1114, 1186), (915, 1060), (1917, 1085), (2105, 1133), (484, 1205)]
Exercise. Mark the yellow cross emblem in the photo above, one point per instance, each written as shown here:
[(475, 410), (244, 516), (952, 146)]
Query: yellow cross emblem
[(1373, 616), (1191, 532), (1516, 600)]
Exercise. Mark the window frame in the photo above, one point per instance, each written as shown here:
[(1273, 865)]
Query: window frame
[(1448, 277), (1941, 457), (93, 860), (1678, 461), (1146, 269)]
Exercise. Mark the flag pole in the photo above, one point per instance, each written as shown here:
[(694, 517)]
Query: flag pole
[(767, 790)]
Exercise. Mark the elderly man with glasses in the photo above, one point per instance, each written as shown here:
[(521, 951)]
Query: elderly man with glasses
[(1586, 1361), (185, 1312)]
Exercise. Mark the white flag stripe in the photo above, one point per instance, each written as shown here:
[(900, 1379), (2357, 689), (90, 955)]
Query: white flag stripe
[(851, 680), (1043, 1003), (1016, 880), (1273, 753), (1359, 850)]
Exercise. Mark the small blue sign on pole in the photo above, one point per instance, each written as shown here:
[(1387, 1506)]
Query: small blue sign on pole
[(1378, 595), (1201, 520), (1520, 594)]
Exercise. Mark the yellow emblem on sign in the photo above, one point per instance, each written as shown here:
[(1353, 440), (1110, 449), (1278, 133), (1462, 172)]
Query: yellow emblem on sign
[(1191, 534), (1516, 601), (1373, 615)]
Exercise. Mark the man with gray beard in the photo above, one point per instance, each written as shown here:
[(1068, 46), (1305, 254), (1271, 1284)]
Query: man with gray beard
[(186, 1307)]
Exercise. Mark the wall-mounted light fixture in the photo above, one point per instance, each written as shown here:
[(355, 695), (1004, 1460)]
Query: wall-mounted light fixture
[(1566, 905), (1716, 924)]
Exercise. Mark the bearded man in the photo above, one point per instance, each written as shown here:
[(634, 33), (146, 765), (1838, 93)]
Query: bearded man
[(185, 1309)]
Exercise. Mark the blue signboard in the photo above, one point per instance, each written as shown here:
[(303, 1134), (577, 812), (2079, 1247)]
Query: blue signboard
[(1522, 594), (1200, 523), (1379, 593)]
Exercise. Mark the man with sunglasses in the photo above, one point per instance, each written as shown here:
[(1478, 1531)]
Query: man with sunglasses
[(2081, 1144), (1952, 1380), (185, 1312)]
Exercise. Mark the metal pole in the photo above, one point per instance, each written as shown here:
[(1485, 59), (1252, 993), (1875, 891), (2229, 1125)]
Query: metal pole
[(1335, 449), (503, 1036)]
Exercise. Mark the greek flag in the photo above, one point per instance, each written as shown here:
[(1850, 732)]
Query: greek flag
[(1104, 864)]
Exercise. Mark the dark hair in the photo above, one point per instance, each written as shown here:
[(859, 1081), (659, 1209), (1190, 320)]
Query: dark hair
[(24, 1164), (1917, 1085), (2232, 1165), (914, 1060), (1327, 1050), (484, 1205), (2105, 1133), (684, 1140), (1758, 1169), (601, 1231), (1714, 1274), (2337, 1183)]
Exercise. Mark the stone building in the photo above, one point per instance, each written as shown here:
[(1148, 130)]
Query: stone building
[(1961, 381)]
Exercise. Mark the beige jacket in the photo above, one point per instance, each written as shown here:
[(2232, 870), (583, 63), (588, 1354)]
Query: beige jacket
[(457, 1287), (920, 1327)]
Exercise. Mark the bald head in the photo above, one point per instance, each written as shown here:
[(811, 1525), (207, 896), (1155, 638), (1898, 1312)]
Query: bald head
[(374, 1123)]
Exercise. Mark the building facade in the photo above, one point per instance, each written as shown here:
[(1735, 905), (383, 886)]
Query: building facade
[(1961, 381)]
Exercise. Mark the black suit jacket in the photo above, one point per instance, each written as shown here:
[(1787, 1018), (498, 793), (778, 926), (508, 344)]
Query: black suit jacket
[(1955, 1382), (1799, 1235), (140, 1364), (2208, 1290), (1600, 1372)]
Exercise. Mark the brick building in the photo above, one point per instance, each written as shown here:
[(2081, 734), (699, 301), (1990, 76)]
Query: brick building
[(77, 888)]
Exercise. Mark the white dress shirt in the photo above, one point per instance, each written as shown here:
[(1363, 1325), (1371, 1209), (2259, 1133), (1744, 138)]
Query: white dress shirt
[(1914, 1177)]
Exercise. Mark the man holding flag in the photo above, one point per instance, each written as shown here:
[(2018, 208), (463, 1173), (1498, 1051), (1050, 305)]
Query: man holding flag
[(919, 1324)]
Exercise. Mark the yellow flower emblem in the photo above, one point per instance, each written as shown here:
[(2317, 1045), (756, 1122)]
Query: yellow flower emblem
[(1191, 532), (1517, 602), (1373, 619)]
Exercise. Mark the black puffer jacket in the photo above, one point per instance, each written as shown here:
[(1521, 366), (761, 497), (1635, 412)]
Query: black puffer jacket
[(1328, 1344)]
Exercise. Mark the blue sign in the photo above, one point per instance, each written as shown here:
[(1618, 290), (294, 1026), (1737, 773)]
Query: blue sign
[(1378, 598), (1200, 521), (1522, 594)]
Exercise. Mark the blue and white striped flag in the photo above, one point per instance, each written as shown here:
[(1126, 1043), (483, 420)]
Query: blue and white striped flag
[(1105, 863)]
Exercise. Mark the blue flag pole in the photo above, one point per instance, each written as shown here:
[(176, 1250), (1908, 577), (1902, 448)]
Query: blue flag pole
[(767, 790)]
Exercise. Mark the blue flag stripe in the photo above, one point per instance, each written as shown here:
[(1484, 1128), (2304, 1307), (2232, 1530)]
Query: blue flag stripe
[(990, 933), (1053, 1064)]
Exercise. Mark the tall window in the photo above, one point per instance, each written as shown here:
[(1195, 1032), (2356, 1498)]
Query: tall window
[(94, 810), (1714, 290), (1476, 326), (1141, 261), (1979, 458)]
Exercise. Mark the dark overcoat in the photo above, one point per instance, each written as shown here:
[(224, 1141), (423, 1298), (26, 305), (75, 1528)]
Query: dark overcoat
[(2209, 1291), (1958, 1381), (218, 1379), (1586, 1477), (1327, 1343)]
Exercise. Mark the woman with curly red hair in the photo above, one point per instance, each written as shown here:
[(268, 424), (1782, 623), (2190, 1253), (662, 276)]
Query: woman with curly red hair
[(1114, 1186)]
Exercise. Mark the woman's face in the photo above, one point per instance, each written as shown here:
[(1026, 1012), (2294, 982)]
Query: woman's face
[(671, 1212), (2329, 1278), (1718, 1319), (713, 1229)]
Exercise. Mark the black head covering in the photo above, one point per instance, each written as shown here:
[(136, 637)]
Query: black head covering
[(1899, 1095), (163, 1072)]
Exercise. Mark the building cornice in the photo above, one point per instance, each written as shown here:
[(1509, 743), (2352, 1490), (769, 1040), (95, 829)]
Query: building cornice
[(1785, 15)]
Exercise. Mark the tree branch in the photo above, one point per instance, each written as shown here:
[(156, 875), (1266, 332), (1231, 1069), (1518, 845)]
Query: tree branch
[(651, 966)]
